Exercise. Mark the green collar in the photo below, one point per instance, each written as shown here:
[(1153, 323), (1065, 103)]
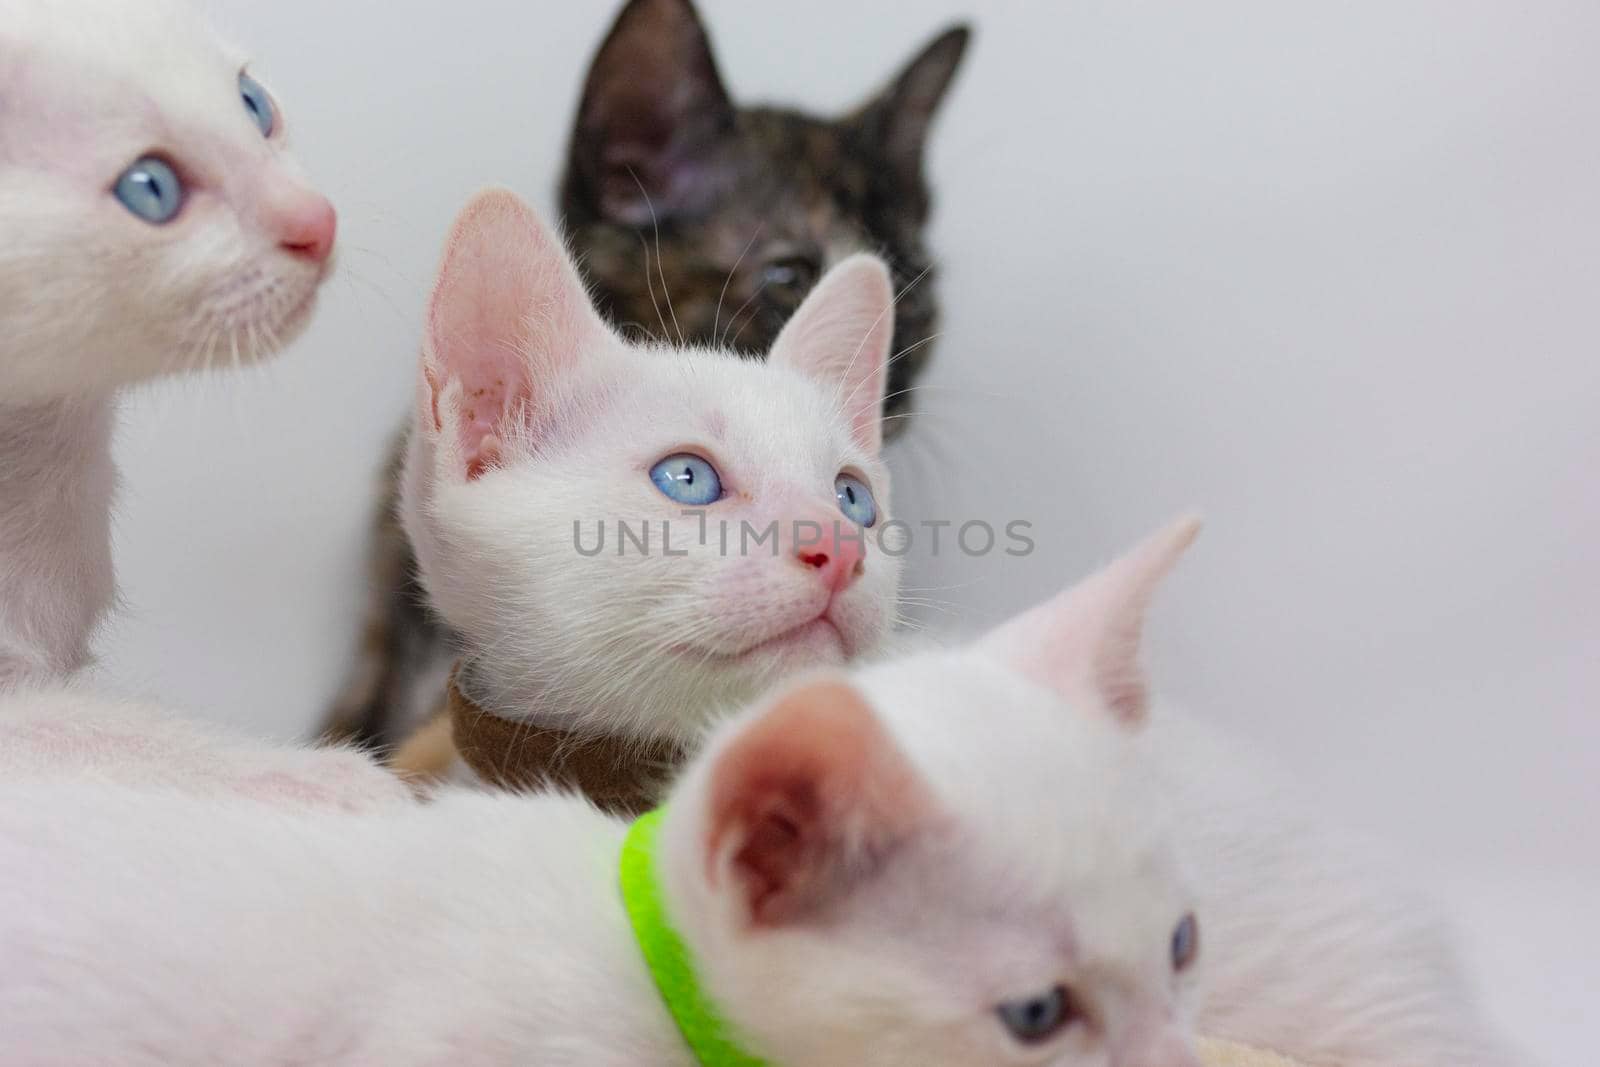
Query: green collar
[(668, 957)]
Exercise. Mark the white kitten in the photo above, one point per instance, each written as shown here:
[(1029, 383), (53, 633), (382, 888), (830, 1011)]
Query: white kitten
[(151, 220), (956, 858), (940, 862), (538, 430)]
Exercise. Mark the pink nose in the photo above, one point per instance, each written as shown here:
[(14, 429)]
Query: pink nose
[(839, 554), (308, 227)]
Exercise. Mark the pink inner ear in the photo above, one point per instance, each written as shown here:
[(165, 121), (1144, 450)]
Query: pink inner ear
[(1090, 635), (477, 326), (507, 310), (841, 337), (782, 848), (805, 795)]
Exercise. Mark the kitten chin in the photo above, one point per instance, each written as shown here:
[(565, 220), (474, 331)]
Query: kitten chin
[(818, 643), (270, 317), (298, 318), (682, 692)]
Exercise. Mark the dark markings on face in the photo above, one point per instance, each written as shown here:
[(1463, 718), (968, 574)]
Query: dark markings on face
[(752, 204)]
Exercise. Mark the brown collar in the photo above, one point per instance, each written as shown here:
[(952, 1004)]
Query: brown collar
[(620, 775)]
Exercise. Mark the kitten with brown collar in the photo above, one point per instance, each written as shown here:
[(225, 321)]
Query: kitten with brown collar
[(673, 188), (756, 504)]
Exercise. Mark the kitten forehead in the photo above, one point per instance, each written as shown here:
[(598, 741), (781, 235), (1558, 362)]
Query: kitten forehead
[(1057, 859), (767, 420), (987, 738), (113, 71), (138, 40)]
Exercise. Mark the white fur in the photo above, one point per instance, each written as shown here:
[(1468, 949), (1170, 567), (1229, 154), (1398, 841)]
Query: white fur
[(56, 485), (92, 298), (58, 732), (1016, 830), (639, 644), (1317, 944)]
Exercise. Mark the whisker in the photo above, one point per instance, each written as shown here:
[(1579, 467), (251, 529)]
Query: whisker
[(861, 347), (644, 247), (717, 319), (748, 301), (377, 290), (906, 351), (655, 224)]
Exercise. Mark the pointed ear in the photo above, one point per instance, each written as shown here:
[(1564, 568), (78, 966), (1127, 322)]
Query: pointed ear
[(806, 800), (508, 312), (840, 337), (653, 116), (1089, 636), (903, 113)]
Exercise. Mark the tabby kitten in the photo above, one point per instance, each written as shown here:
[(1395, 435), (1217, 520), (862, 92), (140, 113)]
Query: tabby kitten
[(736, 212)]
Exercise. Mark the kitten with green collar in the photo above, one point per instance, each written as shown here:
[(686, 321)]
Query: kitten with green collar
[(860, 870), (1001, 854)]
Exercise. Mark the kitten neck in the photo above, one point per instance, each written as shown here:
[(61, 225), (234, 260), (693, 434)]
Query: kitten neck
[(56, 483), (502, 689), (618, 775)]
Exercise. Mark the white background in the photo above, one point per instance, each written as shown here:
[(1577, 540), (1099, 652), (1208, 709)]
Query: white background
[(1327, 272)]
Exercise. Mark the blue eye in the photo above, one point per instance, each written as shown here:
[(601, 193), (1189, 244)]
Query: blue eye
[(1185, 942), (855, 500), (1036, 1019), (151, 190), (688, 479), (259, 104)]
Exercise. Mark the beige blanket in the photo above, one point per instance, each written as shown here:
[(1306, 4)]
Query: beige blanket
[(1223, 1054)]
